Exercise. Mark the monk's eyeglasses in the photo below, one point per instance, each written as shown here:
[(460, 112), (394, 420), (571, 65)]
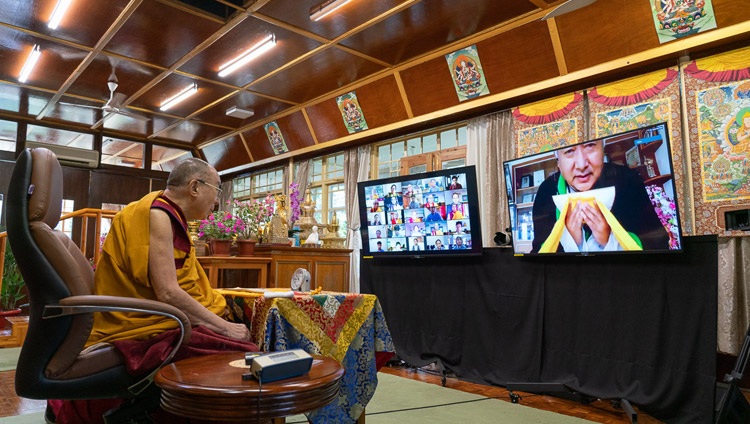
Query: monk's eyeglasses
[(218, 189)]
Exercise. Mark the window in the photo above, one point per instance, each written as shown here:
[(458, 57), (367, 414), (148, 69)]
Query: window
[(122, 153), (258, 185), (66, 226), (327, 189), (60, 137), (166, 158), (425, 148), (8, 131)]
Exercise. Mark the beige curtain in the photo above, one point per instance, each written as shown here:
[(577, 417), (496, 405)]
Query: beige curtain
[(489, 142), (356, 168), (303, 176), (734, 293), (227, 195)]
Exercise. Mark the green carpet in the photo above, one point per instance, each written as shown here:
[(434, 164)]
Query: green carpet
[(397, 400), (9, 358)]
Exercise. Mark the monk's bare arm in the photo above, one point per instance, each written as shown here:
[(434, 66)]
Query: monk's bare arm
[(164, 281)]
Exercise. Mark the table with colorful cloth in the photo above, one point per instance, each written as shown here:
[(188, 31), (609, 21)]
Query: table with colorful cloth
[(348, 327)]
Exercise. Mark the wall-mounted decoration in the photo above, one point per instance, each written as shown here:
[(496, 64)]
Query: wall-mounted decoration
[(718, 89), (466, 71), (548, 124), (354, 119), (724, 138), (275, 138), (675, 19)]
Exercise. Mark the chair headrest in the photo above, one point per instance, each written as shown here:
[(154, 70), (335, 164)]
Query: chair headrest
[(45, 191)]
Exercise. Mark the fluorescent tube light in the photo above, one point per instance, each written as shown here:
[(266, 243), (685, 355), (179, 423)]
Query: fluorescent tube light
[(60, 8), (30, 63), (182, 95), (326, 8), (567, 7), (248, 55)]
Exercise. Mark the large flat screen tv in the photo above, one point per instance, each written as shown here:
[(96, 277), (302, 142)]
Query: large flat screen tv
[(429, 214), (612, 194)]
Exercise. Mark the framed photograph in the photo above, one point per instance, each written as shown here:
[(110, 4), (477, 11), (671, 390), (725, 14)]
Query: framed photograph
[(527, 198), (526, 181), (633, 157), (538, 177)]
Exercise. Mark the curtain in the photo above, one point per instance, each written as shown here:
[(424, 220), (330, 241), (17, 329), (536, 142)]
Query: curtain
[(227, 195), (489, 141), (734, 293), (356, 168), (303, 176)]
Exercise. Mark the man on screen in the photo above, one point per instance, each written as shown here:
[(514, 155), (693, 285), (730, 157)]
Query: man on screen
[(583, 226)]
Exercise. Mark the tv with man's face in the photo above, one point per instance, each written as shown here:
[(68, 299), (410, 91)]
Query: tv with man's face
[(433, 213), (605, 195)]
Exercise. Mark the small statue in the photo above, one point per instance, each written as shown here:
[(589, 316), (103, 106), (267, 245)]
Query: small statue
[(312, 239)]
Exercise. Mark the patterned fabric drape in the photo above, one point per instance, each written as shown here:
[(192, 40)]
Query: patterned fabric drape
[(734, 293), (489, 142), (548, 110), (732, 66), (356, 164), (548, 124), (633, 90)]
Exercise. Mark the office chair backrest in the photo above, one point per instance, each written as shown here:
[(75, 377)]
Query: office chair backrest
[(51, 364)]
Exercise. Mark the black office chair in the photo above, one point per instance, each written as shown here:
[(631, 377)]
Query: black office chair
[(60, 282)]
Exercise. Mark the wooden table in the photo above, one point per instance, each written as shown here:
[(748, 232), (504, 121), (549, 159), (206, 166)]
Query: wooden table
[(213, 265), (211, 388)]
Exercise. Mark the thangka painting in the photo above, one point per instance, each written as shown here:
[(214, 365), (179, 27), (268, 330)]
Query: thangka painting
[(354, 119), (466, 71), (275, 138), (547, 137), (627, 118), (724, 140), (675, 19), (548, 124)]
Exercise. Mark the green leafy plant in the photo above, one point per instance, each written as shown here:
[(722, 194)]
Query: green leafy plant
[(13, 284)]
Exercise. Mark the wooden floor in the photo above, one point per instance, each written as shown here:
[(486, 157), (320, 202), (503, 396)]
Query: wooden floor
[(598, 411)]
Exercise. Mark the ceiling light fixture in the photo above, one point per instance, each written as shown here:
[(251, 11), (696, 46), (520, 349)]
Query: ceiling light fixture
[(30, 63), (237, 112), (248, 55), (60, 8), (182, 95), (326, 8)]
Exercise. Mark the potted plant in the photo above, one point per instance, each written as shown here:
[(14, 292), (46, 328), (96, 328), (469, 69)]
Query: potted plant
[(13, 285), (254, 215), (219, 229)]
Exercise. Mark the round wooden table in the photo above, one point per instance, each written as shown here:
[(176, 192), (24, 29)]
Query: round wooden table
[(211, 388)]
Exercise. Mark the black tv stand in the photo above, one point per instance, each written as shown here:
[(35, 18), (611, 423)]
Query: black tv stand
[(562, 391)]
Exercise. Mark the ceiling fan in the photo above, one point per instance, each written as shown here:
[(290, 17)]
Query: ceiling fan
[(567, 6), (114, 104)]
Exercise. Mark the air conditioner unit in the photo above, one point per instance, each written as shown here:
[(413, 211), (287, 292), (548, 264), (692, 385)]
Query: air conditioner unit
[(70, 156)]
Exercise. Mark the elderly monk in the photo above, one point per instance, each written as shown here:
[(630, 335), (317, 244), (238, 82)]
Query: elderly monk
[(148, 254), (134, 259)]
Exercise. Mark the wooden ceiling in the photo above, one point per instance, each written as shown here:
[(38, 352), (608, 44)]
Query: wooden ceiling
[(391, 52)]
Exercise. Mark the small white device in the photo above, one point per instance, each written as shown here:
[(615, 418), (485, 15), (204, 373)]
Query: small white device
[(279, 365)]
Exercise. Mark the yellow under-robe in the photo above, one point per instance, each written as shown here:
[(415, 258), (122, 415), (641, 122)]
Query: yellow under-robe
[(122, 270)]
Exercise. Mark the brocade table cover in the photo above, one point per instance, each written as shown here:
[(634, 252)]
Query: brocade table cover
[(348, 327)]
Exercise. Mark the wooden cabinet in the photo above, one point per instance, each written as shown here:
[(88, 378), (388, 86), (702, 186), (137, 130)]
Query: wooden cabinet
[(329, 268)]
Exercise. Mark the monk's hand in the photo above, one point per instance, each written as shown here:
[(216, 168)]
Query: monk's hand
[(595, 220), (574, 221), (237, 331)]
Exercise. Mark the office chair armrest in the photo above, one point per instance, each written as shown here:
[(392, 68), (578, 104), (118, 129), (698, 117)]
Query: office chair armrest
[(92, 303)]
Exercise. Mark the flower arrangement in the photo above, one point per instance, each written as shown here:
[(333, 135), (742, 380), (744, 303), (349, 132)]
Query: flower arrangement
[(294, 203), (666, 210), (220, 225), (253, 215)]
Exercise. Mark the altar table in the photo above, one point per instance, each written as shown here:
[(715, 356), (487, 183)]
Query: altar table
[(348, 327), (213, 265)]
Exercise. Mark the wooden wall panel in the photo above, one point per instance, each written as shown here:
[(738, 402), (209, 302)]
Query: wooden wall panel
[(730, 12), (294, 129), (381, 104), (604, 40), (120, 189), (519, 57), (227, 153), (257, 142), (429, 87)]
